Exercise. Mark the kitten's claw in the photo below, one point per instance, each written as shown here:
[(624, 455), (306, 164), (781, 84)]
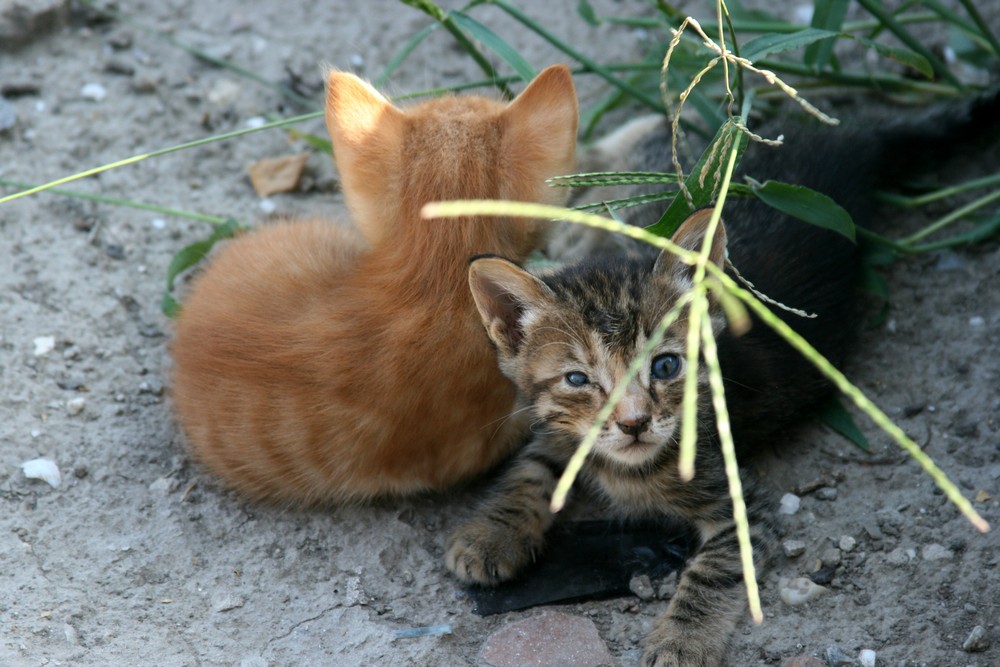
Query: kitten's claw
[(486, 552)]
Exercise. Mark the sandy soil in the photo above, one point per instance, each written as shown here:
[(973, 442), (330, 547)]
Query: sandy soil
[(140, 558)]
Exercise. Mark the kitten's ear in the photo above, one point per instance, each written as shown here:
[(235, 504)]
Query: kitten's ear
[(366, 131), (355, 111), (507, 296), (691, 236), (543, 121)]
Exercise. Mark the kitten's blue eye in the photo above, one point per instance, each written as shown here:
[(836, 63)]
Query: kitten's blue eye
[(665, 366), (577, 379)]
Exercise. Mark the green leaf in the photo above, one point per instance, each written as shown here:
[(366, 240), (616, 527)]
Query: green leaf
[(493, 42), (827, 15), (403, 54), (806, 205), (586, 12), (703, 182), (765, 45), (836, 416), (190, 255)]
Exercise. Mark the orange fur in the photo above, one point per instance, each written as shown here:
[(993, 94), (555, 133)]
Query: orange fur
[(319, 362)]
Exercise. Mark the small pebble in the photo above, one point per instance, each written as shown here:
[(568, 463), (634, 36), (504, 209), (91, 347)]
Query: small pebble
[(937, 552), (668, 587), (267, 205), (357, 60), (44, 345), (977, 641), (826, 493), (897, 556), (847, 543), (976, 321), (789, 503), (641, 587), (8, 115), (798, 591), (75, 406), (43, 469), (867, 658), (830, 557), (835, 657), (793, 548), (165, 485), (94, 92), (225, 601)]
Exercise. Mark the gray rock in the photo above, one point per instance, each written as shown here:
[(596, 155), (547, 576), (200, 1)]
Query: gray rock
[(830, 557), (977, 641), (8, 115), (549, 639), (847, 544), (642, 587), (835, 657), (826, 493), (937, 552), (789, 503), (22, 21), (793, 548)]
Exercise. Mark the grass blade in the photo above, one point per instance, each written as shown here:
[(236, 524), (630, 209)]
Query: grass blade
[(496, 44)]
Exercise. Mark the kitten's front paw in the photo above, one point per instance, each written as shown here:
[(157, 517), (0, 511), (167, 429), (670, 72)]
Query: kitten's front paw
[(668, 645), (488, 552)]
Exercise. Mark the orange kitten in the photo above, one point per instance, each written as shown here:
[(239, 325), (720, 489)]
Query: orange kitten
[(319, 362)]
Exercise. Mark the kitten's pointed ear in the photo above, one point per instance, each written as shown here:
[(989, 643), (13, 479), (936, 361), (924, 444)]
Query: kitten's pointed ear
[(355, 110), (543, 121), (507, 296), (691, 236), (366, 131)]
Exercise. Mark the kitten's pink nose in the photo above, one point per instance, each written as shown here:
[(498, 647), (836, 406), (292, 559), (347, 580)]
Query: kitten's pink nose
[(634, 427)]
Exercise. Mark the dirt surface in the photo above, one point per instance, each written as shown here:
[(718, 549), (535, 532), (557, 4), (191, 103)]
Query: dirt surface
[(138, 557)]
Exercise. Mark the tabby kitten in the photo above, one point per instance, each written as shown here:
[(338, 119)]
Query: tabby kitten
[(317, 361), (565, 340)]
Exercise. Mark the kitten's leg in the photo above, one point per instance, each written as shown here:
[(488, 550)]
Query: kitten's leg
[(508, 529), (711, 595)]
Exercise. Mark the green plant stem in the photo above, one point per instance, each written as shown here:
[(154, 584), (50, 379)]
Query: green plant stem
[(591, 65), (130, 203), (875, 9), (952, 217), (689, 402), (936, 195), (732, 468), (157, 153), (783, 27), (847, 78)]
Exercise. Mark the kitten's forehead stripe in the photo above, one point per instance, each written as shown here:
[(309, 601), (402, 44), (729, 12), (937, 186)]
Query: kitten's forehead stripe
[(607, 295)]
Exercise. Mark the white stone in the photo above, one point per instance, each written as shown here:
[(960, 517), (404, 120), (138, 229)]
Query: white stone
[(847, 543), (75, 406), (867, 658), (43, 469), (94, 92), (789, 503), (44, 345), (267, 205), (798, 591)]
